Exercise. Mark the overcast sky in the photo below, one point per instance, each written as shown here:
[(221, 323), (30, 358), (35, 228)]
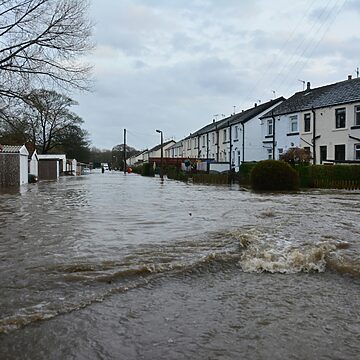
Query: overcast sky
[(174, 64)]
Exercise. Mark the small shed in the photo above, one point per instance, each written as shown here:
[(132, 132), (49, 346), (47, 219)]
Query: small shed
[(60, 158), (13, 165), (33, 163), (71, 165)]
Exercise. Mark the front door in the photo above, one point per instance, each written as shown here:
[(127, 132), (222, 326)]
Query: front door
[(323, 154)]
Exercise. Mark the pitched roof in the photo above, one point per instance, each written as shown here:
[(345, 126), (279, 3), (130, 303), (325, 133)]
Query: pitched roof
[(241, 117), (11, 149), (158, 147), (343, 92)]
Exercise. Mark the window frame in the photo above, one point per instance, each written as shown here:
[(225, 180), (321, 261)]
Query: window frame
[(294, 120), (236, 132), (336, 153), (357, 115), (357, 151), (338, 118), (270, 127), (307, 121)]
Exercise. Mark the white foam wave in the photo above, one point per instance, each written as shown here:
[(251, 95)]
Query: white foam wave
[(266, 252)]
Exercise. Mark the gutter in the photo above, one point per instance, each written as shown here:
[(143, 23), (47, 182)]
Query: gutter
[(230, 152), (273, 139), (243, 142), (314, 136)]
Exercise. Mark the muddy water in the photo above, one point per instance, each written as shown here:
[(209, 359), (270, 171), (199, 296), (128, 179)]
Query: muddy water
[(110, 266)]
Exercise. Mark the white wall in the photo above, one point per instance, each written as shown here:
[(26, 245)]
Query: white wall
[(33, 166), (329, 135), (24, 173), (284, 137)]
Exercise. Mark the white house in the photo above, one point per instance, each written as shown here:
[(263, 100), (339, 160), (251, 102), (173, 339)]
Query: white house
[(324, 120), (155, 152), (231, 140), (137, 159), (13, 165), (245, 136), (176, 150)]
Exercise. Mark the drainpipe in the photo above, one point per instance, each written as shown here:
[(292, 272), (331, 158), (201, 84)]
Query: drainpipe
[(217, 144), (230, 152), (198, 144), (314, 137), (243, 142), (273, 142), (207, 145)]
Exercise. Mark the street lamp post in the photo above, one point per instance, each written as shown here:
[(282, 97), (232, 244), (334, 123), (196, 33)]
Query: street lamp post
[(162, 154)]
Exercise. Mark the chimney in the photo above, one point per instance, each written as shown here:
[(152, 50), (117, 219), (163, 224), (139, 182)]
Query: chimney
[(213, 120), (349, 77), (255, 105), (308, 85)]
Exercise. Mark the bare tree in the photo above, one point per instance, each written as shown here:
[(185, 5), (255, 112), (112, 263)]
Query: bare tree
[(49, 118), (41, 45)]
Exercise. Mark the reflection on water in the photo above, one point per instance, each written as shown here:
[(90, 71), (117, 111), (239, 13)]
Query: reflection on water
[(111, 241)]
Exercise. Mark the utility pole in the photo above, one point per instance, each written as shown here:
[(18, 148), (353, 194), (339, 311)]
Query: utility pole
[(162, 153), (124, 151)]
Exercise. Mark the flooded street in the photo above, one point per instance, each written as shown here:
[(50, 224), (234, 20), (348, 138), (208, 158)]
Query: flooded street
[(113, 266)]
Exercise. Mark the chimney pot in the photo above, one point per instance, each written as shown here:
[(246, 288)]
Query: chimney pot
[(255, 105), (349, 77), (308, 85)]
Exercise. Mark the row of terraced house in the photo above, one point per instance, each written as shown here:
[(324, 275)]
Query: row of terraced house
[(323, 120)]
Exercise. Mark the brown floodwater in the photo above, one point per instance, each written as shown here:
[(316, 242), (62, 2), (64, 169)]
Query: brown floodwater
[(114, 266)]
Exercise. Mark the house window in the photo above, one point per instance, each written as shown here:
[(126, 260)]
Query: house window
[(340, 118), (307, 119), (357, 151), (269, 127), (269, 154), (339, 152), (236, 132), (357, 115), (213, 138), (203, 141), (293, 124), (280, 150), (189, 144), (238, 156), (225, 136)]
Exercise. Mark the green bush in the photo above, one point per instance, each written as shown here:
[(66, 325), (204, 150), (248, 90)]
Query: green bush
[(274, 175), (244, 172), (147, 170), (174, 173)]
